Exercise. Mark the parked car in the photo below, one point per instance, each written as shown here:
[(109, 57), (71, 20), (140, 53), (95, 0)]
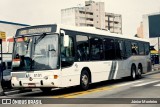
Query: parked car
[(6, 81)]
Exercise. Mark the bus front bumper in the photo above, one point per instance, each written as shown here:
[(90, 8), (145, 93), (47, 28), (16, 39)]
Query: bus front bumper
[(33, 83)]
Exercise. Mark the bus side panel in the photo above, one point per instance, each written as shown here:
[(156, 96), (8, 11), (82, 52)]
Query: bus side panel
[(124, 66), (70, 76), (122, 70), (100, 71)]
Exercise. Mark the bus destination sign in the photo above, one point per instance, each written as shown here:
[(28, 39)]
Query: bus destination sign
[(35, 31), (39, 29)]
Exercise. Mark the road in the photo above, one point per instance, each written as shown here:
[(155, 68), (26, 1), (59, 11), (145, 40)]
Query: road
[(103, 93)]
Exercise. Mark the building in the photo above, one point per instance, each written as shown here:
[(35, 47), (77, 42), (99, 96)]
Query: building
[(149, 29), (92, 14), (140, 33), (113, 22), (8, 30)]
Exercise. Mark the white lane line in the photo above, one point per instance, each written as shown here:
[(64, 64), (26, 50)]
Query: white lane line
[(129, 83), (157, 85), (146, 83)]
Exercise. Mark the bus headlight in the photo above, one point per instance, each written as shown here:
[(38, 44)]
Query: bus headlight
[(14, 78)]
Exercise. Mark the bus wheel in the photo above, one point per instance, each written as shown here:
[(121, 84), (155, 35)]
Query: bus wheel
[(139, 75), (133, 72), (46, 90), (84, 80)]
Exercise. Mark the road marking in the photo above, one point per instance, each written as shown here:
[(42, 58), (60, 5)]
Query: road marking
[(157, 85), (72, 95), (155, 76), (146, 83), (75, 94), (120, 85)]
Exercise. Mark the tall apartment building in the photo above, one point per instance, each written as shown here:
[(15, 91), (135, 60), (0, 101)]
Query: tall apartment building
[(92, 14), (113, 22)]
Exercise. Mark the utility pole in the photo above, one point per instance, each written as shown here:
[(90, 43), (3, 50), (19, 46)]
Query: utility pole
[(1, 69), (158, 50)]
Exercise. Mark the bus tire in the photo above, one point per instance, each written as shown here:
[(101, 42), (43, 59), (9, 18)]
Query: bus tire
[(46, 90), (133, 72), (139, 72), (84, 80)]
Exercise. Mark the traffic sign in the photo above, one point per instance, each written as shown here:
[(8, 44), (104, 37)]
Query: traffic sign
[(2, 35)]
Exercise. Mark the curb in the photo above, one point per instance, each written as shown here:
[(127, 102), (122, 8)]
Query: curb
[(11, 92), (152, 72)]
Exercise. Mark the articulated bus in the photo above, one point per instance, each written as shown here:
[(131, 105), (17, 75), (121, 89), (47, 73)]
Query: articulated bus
[(57, 56)]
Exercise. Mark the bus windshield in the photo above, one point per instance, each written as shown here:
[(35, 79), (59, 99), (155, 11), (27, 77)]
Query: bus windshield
[(36, 53)]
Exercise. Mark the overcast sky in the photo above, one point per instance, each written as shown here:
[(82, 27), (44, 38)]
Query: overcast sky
[(35, 12)]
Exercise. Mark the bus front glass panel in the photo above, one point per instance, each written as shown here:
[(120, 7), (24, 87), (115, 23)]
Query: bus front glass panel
[(35, 53)]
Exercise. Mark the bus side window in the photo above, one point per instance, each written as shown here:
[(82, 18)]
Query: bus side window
[(109, 47), (128, 52), (119, 45), (134, 48), (96, 49), (141, 49), (146, 45), (82, 48), (67, 53)]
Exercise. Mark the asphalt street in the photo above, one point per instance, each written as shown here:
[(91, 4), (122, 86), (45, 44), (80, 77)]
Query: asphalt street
[(121, 92)]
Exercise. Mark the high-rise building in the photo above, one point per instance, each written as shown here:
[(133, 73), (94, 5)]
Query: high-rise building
[(113, 22), (92, 14), (140, 32)]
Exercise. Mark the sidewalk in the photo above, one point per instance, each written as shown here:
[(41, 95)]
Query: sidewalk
[(156, 67), (155, 70)]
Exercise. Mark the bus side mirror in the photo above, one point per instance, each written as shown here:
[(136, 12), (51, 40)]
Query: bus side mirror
[(65, 38), (66, 41)]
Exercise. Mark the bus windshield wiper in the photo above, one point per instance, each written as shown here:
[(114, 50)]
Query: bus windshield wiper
[(40, 38)]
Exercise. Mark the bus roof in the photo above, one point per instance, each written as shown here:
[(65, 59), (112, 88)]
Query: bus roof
[(93, 30), (57, 27)]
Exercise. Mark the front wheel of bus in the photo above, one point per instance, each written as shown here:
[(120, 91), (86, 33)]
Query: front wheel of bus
[(84, 80), (46, 90)]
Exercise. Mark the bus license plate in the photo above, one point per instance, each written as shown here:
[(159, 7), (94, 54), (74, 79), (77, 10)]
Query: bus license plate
[(31, 84)]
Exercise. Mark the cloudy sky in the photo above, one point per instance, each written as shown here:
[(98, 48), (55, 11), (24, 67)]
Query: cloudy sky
[(35, 12)]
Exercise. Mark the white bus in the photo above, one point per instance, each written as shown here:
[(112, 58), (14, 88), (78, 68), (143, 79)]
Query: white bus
[(55, 56)]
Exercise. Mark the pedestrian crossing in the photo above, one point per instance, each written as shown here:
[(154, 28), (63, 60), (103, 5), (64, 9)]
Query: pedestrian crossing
[(158, 85), (140, 83), (146, 83)]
